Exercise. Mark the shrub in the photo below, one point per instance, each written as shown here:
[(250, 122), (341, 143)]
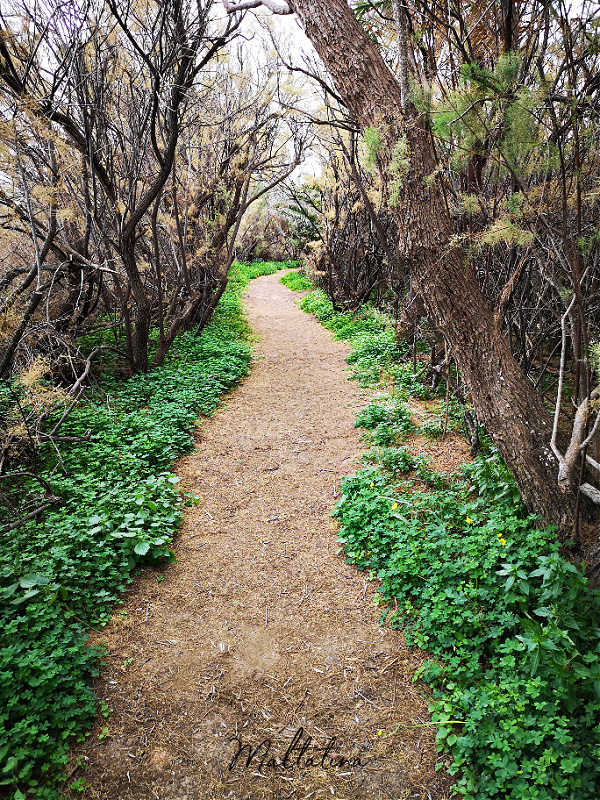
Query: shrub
[(387, 423)]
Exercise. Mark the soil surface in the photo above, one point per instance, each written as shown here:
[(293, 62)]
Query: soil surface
[(261, 637)]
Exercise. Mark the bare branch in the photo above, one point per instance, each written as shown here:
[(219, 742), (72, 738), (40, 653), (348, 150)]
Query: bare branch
[(275, 8), (591, 492)]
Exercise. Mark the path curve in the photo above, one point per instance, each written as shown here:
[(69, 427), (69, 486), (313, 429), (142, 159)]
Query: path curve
[(261, 631)]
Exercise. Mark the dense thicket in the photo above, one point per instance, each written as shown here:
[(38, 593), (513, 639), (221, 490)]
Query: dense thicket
[(130, 147)]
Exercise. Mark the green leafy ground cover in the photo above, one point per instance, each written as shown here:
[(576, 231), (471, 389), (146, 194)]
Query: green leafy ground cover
[(296, 281), (63, 573), (511, 626)]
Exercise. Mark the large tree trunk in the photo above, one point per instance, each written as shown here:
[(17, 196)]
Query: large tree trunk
[(503, 398)]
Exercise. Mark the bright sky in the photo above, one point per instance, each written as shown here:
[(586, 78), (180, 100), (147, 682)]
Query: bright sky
[(293, 44)]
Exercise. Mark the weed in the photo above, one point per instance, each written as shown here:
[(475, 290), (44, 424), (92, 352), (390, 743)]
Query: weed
[(432, 428), (79, 785), (409, 382), (391, 459), (491, 479)]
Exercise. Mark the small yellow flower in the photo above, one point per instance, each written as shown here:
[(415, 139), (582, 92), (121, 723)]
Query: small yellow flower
[(372, 485), (380, 732), (469, 520), (503, 542), (394, 505)]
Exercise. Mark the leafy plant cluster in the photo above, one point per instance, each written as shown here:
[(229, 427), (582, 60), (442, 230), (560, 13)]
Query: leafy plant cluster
[(409, 382), (512, 627), (64, 571), (387, 421), (296, 281)]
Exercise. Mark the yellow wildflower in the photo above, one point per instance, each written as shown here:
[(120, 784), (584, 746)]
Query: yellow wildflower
[(469, 520), (394, 505)]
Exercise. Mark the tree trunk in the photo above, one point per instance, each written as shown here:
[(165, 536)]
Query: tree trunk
[(400, 21), (503, 398), (507, 25), (140, 335)]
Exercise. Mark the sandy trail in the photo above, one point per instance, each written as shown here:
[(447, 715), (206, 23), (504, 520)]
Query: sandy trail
[(261, 634)]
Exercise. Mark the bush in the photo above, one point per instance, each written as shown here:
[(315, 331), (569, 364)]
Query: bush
[(391, 459)]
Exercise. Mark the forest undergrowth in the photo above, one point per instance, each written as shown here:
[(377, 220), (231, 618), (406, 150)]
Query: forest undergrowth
[(511, 626), (63, 573)]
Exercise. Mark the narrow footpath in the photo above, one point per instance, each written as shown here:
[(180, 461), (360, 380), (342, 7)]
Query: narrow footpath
[(260, 637)]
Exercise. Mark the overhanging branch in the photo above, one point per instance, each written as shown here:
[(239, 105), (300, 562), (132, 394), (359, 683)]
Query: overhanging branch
[(244, 5)]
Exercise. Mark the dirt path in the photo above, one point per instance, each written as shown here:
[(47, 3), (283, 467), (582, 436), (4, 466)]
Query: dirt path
[(261, 631)]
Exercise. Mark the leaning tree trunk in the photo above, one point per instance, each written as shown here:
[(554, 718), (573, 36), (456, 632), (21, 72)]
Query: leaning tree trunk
[(503, 398)]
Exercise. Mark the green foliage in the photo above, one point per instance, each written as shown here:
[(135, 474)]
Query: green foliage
[(512, 625), (494, 99), (387, 422), (500, 81), (434, 426), (522, 134), (391, 459), (594, 356), (302, 214), (399, 169), (505, 231), (586, 244), (492, 480), (120, 508), (407, 382), (374, 143), (296, 281)]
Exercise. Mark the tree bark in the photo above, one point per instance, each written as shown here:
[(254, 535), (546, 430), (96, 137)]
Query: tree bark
[(400, 21), (503, 398)]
